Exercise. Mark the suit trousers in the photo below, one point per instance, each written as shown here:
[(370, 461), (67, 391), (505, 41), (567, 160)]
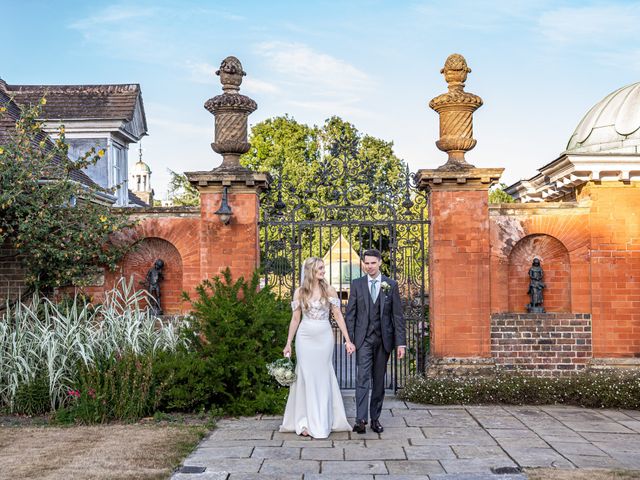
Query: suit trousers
[(371, 365)]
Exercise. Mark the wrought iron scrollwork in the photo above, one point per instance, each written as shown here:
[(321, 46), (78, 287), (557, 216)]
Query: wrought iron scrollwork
[(349, 206)]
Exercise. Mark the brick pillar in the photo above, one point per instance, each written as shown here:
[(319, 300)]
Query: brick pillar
[(459, 253), (236, 244), (459, 261)]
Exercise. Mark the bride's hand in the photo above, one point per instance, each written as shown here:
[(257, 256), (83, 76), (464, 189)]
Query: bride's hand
[(350, 348), (287, 350)]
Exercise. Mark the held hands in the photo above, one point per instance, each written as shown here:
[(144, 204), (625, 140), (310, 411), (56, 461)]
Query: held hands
[(287, 350), (350, 347)]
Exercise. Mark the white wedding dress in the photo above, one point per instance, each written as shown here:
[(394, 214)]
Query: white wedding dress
[(315, 402)]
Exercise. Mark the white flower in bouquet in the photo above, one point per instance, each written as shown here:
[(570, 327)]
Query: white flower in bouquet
[(283, 371)]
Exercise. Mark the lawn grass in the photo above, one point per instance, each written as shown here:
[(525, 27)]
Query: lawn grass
[(114, 452)]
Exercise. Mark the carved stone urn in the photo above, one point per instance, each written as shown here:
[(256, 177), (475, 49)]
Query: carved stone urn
[(456, 109), (231, 111)]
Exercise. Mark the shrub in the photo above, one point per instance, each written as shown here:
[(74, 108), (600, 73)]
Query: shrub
[(593, 389), (238, 329), (118, 387)]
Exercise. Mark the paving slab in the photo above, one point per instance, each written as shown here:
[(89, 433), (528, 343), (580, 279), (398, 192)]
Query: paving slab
[(388, 452), (311, 453), (475, 451), (264, 476), (573, 448), (354, 467), (308, 443), (430, 452), (402, 477), (537, 457), (231, 465), (279, 466), (224, 452), (289, 453), (409, 467), (475, 465), (334, 476), (201, 476)]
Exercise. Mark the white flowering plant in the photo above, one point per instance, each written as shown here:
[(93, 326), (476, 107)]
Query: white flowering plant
[(283, 370)]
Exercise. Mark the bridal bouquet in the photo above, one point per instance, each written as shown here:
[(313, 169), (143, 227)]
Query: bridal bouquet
[(283, 371)]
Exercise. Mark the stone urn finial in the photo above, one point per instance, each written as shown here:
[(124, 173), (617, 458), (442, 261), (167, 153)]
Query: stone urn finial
[(456, 109), (231, 74), (231, 111)]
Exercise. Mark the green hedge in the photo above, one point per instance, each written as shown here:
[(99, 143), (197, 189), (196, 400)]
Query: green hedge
[(595, 389)]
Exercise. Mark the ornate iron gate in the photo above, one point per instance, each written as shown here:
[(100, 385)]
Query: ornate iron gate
[(345, 210)]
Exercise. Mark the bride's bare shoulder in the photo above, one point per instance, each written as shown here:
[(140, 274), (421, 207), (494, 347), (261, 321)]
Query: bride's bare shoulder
[(296, 294)]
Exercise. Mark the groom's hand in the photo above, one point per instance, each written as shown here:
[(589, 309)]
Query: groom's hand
[(401, 352)]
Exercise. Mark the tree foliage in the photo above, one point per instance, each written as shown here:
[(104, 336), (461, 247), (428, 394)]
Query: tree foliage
[(59, 234), (333, 164), (181, 192), (497, 194)]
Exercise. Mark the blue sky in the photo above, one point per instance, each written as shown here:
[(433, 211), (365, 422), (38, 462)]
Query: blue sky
[(538, 65)]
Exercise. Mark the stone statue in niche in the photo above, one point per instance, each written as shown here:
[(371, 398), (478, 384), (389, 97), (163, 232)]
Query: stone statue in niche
[(154, 276), (535, 288)]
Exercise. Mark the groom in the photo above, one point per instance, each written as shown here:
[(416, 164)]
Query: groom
[(376, 325)]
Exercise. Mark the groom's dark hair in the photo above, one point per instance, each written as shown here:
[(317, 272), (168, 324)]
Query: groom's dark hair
[(372, 253)]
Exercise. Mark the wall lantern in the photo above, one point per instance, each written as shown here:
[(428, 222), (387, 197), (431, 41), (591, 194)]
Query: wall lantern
[(225, 210)]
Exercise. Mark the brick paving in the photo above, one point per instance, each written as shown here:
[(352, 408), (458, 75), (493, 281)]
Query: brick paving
[(422, 442)]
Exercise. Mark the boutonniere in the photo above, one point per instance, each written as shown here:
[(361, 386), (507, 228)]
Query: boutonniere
[(385, 286)]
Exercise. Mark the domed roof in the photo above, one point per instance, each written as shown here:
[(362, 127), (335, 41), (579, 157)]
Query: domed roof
[(140, 168), (611, 126)]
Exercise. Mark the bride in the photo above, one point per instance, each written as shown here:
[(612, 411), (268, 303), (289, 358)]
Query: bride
[(314, 407)]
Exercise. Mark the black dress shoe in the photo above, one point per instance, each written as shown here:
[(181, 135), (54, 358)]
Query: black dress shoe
[(360, 427), (376, 427)]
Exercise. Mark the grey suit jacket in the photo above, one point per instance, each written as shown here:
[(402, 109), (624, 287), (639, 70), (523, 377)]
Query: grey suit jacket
[(391, 316)]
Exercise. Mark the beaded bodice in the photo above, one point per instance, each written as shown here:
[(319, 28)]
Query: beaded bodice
[(318, 309)]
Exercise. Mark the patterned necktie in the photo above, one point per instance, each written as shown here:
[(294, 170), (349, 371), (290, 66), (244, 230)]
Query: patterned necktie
[(374, 293)]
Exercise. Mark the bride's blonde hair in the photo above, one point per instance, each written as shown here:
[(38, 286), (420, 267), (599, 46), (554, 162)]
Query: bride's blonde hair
[(311, 266)]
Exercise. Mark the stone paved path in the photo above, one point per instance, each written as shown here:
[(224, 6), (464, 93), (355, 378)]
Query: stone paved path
[(425, 443)]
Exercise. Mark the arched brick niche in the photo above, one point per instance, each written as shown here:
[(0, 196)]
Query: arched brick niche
[(138, 262), (554, 259)]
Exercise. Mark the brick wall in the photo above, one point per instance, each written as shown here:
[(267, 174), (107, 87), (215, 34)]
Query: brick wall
[(550, 344), (615, 267), (194, 244), (12, 275)]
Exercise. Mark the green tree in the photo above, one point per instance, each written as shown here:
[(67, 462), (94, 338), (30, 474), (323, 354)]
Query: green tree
[(181, 192), (59, 232), (329, 165), (497, 194)]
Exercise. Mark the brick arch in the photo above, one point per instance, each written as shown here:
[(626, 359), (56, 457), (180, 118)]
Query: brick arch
[(182, 233), (137, 263), (554, 258)]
